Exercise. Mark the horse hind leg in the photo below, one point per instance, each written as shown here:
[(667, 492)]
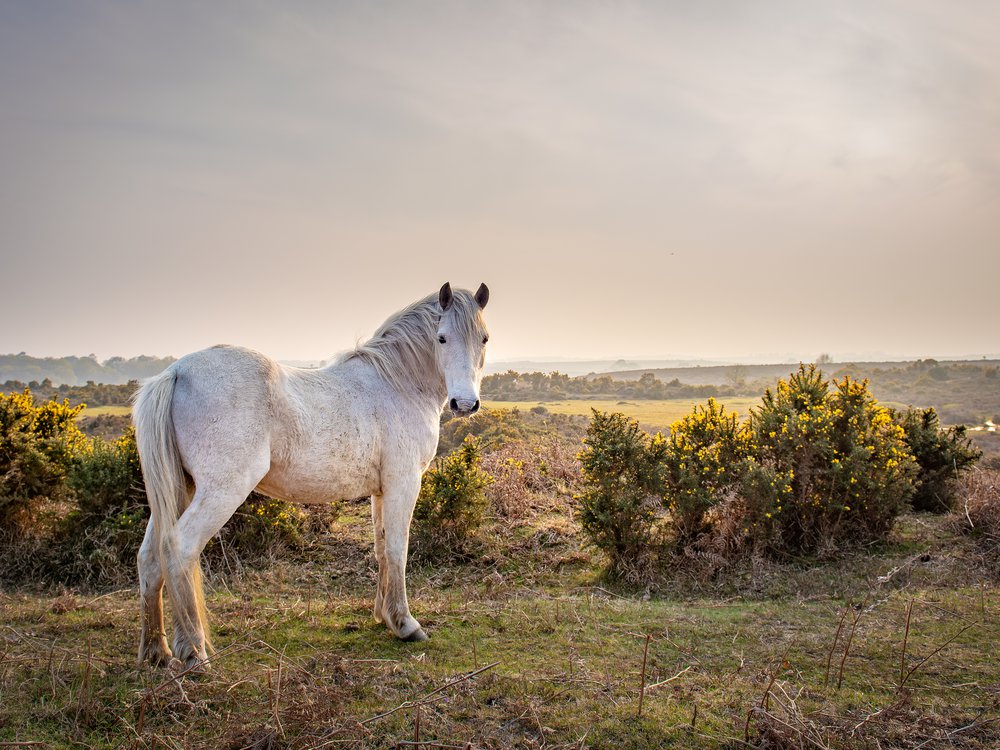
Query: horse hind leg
[(153, 646), (203, 519)]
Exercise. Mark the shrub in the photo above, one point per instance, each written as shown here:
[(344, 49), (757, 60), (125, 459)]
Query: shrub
[(490, 427), (452, 501), (621, 475), (100, 537), (942, 454), (37, 444), (106, 475), (702, 463), (102, 534), (262, 528), (827, 467), (495, 428)]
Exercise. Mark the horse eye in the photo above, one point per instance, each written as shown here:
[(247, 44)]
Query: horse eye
[(485, 339), (441, 339)]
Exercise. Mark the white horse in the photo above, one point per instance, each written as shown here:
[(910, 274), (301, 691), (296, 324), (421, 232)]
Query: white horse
[(221, 422)]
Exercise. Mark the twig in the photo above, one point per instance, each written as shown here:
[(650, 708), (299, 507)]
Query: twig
[(104, 596), (833, 646), (475, 655), (609, 593), (906, 635), (426, 699), (172, 679), (847, 648), (671, 679), (761, 707), (85, 685), (799, 732), (276, 695), (642, 683), (73, 656), (923, 661), (951, 733)]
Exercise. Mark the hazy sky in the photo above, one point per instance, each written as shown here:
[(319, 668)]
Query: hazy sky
[(716, 179)]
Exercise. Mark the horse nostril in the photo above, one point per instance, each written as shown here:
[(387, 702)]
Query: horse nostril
[(453, 404), (475, 407)]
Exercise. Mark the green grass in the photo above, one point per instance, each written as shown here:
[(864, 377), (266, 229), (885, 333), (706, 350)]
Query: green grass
[(96, 411), (300, 662), (651, 414)]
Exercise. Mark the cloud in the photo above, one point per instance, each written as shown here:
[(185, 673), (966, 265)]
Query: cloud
[(343, 157)]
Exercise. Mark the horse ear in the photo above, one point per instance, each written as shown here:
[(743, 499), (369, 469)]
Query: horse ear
[(482, 296), (445, 296)]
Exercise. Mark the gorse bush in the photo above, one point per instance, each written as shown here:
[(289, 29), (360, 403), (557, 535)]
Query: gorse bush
[(819, 465), (621, 487), (102, 533), (452, 500), (942, 454), (76, 506), (106, 476), (702, 463), (37, 444), (262, 528), (826, 467)]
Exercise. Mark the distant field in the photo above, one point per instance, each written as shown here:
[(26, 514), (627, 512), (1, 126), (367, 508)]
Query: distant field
[(97, 411), (656, 414)]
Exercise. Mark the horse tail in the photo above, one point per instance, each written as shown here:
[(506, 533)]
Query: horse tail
[(167, 493), (166, 485)]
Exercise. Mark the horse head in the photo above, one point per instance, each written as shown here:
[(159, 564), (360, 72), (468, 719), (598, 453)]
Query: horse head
[(461, 349)]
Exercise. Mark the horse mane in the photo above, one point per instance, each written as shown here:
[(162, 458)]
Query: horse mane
[(403, 347)]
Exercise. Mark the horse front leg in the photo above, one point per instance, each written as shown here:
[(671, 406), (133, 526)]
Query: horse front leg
[(397, 509), (379, 529)]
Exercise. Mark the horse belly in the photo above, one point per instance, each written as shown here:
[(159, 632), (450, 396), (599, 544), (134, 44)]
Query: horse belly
[(321, 477)]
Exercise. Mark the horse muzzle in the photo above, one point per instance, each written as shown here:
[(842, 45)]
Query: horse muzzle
[(464, 407)]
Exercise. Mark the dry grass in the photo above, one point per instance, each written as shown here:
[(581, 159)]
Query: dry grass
[(531, 648), (529, 477), (977, 514)]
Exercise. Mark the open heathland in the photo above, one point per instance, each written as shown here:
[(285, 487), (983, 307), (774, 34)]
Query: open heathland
[(702, 634), (532, 647), (652, 414)]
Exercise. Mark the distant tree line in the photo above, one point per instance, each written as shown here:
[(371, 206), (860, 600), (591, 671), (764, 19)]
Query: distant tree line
[(91, 393), (540, 386), (79, 370)]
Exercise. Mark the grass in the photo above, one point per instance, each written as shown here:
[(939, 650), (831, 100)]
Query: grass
[(651, 414), (97, 411), (749, 657)]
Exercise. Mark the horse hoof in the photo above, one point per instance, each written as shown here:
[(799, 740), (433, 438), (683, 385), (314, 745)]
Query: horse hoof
[(190, 666), (155, 653), (157, 658), (417, 636)]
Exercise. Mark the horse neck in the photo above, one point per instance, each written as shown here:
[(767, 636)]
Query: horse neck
[(424, 387), (428, 387)]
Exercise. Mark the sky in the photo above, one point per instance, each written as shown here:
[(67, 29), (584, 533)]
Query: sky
[(631, 179)]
